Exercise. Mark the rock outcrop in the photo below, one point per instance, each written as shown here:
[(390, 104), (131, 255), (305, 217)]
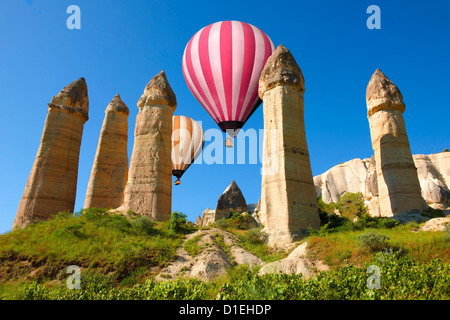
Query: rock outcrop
[(149, 186), (288, 199), (398, 184), (297, 262), (230, 200), (218, 252), (52, 184), (110, 169), (432, 170)]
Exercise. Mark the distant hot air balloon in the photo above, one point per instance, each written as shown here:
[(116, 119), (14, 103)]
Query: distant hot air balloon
[(187, 143), (222, 64)]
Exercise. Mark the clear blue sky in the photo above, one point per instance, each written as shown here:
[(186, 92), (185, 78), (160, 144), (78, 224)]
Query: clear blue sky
[(123, 44)]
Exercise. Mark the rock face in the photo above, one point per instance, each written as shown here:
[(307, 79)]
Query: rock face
[(434, 177), (110, 169), (432, 170), (346, 177), (149, 186), (296, 263), (51, 186), (287, 189), (398, 184), (230, 200), (218, 251)]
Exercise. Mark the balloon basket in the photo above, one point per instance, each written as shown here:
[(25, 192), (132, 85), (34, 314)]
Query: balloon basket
[(229, 142)]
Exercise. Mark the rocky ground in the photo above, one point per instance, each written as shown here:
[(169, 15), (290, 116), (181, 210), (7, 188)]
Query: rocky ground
[(218, 250)]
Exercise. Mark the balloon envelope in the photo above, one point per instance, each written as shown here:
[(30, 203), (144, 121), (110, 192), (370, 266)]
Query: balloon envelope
[(222, 64), (187, 143)]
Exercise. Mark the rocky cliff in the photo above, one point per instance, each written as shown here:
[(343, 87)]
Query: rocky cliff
[(357, 175)]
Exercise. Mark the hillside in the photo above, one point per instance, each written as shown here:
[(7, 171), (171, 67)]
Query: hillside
[(135, 258)]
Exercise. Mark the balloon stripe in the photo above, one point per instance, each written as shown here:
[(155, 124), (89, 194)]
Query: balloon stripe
[(215, 64), (249, 58), (203, 51), (238, 46), (226, 59), (195, 81), (199, 74)]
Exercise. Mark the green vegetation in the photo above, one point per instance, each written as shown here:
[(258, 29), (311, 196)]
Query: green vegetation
[(400, 278), (192, 246), (120, 256)]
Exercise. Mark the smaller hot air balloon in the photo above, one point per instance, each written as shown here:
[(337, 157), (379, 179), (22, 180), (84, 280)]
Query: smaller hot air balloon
[(187, 143)]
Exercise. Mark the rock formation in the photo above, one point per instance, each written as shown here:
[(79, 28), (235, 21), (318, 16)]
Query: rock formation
[(297, 262), (149, 186), (219, 251), (432, 170), (287, 190), (398, 184), (110, 169), (52, 184), (230, 200)]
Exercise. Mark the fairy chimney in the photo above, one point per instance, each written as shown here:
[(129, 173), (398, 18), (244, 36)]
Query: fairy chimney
[(52, 184), (398, 184), (110, 169), (288, 198)]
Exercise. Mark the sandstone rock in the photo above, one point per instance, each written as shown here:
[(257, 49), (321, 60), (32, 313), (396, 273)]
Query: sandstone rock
[(52, 184), (297, 262), (434, 177), (349, 176), (435, 224), (288, 199), (230, 200), (149, 186), (208, 217), (110, 169), (398, 184), (432, 171)]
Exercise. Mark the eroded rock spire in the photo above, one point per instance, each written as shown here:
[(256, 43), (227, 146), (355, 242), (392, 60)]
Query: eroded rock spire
[(52, 184), (110, 169), (398, 184), (288, 199)]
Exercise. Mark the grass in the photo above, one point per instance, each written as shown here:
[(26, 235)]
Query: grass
[(108, 243), (120, 255), (342, 248)]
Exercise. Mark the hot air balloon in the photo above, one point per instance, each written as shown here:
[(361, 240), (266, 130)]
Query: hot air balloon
[(187, 143), (222, 64)]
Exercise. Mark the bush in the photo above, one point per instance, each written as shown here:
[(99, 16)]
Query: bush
[(255, 236), (373, 241), (236, 220), (178, 223)]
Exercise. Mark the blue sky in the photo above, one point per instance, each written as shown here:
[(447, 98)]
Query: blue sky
[(122, 44)]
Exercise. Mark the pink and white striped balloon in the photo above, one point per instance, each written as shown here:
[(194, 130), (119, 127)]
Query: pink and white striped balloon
[(222, 64)]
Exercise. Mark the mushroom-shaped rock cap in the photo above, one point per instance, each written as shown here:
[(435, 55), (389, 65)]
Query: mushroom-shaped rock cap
[(73, 98), (117, 105), (383, 94), (281, 69), (157, 92)]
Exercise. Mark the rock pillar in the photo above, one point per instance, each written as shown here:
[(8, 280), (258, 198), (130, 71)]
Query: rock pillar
[(288, 198), (149, 186), (110, 169), (398, 185), (52, 184)]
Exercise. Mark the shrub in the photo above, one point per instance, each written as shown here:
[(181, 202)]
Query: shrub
[(178, 223), (351, 205), (373, 241), (255, 236)]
